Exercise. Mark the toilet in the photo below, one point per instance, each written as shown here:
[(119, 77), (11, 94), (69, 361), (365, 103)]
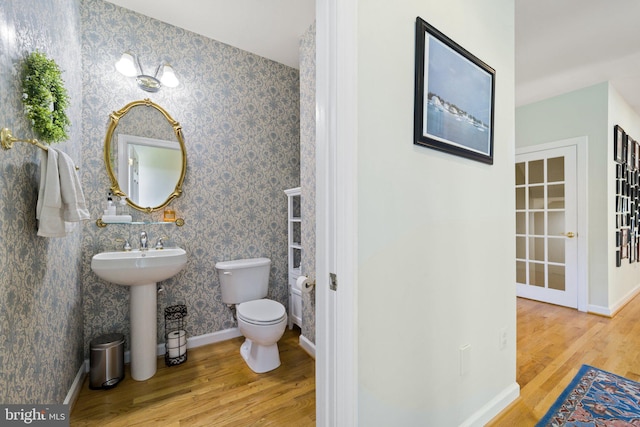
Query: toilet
[(245, 283)]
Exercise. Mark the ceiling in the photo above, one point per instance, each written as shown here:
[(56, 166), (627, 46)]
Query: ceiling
[(561, 45), (269, 28)]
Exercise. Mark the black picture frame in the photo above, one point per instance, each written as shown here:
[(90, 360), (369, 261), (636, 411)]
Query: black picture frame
[(624, 249), (619, 144), (454, 97)]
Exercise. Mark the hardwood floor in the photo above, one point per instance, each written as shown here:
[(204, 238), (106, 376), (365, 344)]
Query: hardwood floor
[(553, 342), (214, 387)]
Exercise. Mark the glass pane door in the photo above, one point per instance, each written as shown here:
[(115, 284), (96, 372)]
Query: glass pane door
[(543, 182)]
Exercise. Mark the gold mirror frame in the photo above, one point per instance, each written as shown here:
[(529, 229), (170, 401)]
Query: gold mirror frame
[(114, 118)]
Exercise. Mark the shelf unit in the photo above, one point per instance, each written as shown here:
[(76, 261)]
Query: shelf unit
[(294, 231)]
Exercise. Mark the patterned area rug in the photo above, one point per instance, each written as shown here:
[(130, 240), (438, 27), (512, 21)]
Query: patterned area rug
[(596, 398)]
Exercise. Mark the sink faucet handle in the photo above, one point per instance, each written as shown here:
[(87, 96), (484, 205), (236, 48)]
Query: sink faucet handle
[(144, 242), (159, 243), (124, 242)]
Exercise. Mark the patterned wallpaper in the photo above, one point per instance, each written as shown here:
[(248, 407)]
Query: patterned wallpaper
[(308, 174), (41, 345), (240, 117)]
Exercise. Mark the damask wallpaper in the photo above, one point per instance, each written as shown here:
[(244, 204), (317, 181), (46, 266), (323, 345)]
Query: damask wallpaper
[(41, 331), (240, 117), (308, 174)]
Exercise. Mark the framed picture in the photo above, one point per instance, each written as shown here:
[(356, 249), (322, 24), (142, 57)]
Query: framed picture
[(624, 249), (630, 153), (619, 144), (454, 97)]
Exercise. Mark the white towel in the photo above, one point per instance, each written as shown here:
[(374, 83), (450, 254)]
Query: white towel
[(49, 207), (73, 205), (60, 197)]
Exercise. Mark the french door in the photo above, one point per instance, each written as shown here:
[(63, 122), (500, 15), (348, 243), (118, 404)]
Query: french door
[(546, 226)]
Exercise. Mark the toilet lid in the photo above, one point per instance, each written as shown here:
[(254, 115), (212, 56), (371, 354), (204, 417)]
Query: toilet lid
[(261, 311)]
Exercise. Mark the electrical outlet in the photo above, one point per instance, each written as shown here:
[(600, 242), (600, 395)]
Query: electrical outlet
[(502, 339)]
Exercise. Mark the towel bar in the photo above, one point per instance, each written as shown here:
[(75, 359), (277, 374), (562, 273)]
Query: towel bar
[(8, 139)]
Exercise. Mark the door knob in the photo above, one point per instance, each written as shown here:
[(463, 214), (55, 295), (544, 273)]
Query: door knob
[(569, 234)]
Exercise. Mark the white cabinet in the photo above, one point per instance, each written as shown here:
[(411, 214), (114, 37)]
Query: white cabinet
[(294, 221)]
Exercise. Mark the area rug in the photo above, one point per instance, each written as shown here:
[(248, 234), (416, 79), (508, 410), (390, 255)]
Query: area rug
[(596, 398)]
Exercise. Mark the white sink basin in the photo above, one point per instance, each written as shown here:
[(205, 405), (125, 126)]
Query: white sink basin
[(140, 271), (139, 267)]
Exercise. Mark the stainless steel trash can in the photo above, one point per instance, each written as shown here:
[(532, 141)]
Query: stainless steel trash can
[(106, 361)]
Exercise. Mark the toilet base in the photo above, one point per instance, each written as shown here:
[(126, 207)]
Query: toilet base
[(260, 358)]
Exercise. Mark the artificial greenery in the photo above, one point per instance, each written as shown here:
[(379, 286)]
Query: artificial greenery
[(45, 98)]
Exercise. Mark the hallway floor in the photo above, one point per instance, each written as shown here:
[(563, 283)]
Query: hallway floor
[(553, 342), (214, 387)]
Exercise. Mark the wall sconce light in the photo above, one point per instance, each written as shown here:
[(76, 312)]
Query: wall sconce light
[(129, 65)]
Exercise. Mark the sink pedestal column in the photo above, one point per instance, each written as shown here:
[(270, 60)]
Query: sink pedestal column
[(143, 316)]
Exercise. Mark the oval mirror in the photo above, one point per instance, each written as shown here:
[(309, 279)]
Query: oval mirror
[(145, 155)]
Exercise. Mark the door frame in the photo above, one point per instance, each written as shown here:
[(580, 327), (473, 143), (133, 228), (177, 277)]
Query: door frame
[(582, 185), (336, 212)]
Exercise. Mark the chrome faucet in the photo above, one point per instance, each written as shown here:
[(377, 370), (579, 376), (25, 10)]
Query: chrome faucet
[(144, 242)]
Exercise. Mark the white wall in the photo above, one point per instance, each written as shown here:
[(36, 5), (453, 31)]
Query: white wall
[(625, 280), (579, 113), (436, 231), (591, 112)]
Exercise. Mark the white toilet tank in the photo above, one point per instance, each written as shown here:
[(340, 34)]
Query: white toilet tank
[(244, 280)]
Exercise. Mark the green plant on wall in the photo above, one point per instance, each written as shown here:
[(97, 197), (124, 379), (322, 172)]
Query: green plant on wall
[(45, 98)]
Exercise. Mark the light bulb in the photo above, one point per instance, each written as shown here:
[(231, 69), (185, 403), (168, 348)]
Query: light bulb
[(168, 77), (126, 65)]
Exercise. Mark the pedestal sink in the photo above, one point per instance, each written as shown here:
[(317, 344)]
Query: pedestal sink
[(141, 270)]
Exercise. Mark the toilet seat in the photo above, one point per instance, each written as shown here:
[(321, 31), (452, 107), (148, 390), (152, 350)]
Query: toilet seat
[(261, 312)]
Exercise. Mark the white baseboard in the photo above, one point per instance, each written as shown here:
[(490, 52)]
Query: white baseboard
[(76, 386), (613, 309), (307, 346), (600, 310), (197, 341), (493, 407), (207, 339)]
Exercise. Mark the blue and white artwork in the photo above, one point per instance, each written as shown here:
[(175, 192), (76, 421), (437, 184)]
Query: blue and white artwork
[(454, 97)]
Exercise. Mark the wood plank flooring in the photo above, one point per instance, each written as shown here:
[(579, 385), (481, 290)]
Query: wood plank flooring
[(214, 387), (553, 342)]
